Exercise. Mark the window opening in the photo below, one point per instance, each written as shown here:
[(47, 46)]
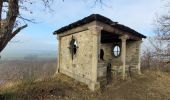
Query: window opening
[(73, 47), (116, 51)]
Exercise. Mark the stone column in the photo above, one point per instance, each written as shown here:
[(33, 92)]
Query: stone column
[(123, 54), (58, 54), (139, 60), (95, 31)]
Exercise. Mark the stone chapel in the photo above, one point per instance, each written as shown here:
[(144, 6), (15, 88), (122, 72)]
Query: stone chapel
[(95, 47)]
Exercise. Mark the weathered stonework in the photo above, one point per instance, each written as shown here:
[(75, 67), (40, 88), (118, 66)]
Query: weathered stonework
[(80, 66), (86, 65)]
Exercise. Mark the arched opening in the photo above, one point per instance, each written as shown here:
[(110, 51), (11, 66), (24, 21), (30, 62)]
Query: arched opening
[(101, 54), (73, 47)]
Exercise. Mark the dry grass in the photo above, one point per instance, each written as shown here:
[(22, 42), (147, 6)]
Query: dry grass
[(51, 89), (152, 85)]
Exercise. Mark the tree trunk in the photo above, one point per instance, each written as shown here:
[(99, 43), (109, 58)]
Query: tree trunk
[(7, 25)]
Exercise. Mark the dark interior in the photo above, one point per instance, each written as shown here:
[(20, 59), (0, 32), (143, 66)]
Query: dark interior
[(107, 37)]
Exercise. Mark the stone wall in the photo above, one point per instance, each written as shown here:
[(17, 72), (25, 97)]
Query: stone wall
[(80, 67), (132, 50), (132, 55), (107, 48)]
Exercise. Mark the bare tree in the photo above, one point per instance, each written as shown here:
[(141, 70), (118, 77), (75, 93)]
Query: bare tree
[(9, 15), (10, 24), (163, 23), (161, 40), (157, 53), (163, 27), (147, 58)]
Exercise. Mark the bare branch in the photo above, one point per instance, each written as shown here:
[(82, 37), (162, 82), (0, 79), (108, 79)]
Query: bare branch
[(25, 19), (10, 17), (101, 2), (47, 4), (17, 31), (4, 41), (1, 5)]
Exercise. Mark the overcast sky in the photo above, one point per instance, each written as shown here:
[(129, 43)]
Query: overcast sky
[(38, 38)]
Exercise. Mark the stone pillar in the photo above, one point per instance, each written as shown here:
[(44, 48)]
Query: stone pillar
[(139, 60), (123, 54), (58, 55), (95, 31)]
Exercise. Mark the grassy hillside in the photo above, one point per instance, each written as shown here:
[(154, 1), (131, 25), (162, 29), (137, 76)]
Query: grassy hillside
[(152, 85)]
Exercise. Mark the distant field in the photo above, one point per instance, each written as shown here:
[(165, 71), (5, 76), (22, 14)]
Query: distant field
[(27, 69)]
